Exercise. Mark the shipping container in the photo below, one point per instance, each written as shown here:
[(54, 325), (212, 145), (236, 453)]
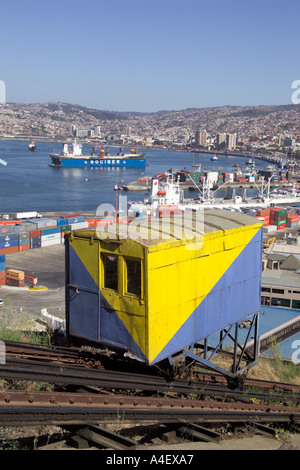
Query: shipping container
[(280, 227), (24, 247), (2, 281), (2, 259), (15, 282), (279, 222), (79, 225), (9, 244), (9, 250), (23, 236), (50, 231), (61, 222), (15, 274), (35, 233), (43, 223), (35, 242), (7, 229), (75, 220), (292, 224), (155, 297), (69, 216), (2, 266), (51, 236), (65, 228), (24, 241), (8, 237), (55, 241), (29, 226)]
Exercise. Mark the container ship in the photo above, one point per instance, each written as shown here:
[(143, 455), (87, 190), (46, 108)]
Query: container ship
[(168, 195), (71, 156)]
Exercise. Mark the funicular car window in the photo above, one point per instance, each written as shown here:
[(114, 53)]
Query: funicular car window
[(134, 277)]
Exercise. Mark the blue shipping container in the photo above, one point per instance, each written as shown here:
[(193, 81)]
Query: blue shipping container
[(9, 237), (9, 244), (61, 222), (74, 220), (24, 241), (2, 258), (35, 242), (2, 266), (50, 231)]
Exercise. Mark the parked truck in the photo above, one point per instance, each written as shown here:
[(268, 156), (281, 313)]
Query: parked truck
[(27, 215)]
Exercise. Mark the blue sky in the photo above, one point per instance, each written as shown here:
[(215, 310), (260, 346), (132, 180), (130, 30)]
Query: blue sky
[(150, 55)]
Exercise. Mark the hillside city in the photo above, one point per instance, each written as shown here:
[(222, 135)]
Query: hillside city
[(262, 128)]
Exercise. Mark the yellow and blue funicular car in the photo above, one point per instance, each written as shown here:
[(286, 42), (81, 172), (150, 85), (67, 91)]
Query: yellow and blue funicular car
[(159, 288)]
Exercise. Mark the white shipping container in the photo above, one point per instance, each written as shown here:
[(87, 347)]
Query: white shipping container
[(270, 228), (50, 242), (51, 236), (79, 225)]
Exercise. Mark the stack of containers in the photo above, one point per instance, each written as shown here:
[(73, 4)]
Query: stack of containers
[(24, 241), (9, 242), (2, 270), (292, 219), (35, 239), (278, 217), (65, 229), (15, 278), (76, 222), (283, 175), (265, 214), (226, 177), (50, 236), (241, 179)]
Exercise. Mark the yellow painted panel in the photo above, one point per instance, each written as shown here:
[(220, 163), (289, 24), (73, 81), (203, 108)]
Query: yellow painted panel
[(88, 253), (185, 286)]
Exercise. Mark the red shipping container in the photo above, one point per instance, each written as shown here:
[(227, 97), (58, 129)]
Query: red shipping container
[(279, 227), (35, 233), (2, 274), (24, 247), (9, 222), (291, 220), (15, 283), (264, 212), (3, 282)]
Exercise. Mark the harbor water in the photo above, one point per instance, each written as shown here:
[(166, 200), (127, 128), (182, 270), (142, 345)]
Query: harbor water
[(29, 183)]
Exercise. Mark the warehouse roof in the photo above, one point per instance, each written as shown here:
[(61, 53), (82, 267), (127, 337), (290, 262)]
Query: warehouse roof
[(280, 278), (291, 263)]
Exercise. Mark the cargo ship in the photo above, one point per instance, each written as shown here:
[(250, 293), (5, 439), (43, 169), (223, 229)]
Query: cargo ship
[(72, 157)]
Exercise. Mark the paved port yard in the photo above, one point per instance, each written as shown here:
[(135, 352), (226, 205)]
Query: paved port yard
[(48, 265)]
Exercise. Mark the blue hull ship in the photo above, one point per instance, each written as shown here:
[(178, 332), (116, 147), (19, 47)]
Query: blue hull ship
[(72, 158)]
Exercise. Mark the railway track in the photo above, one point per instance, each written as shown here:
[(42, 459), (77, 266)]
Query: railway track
[(135, 397)]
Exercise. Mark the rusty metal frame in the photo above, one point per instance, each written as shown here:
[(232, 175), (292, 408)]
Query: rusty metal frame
[(246, 351)]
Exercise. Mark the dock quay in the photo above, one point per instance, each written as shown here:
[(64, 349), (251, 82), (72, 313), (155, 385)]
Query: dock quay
[(279, 333), (145, 186)]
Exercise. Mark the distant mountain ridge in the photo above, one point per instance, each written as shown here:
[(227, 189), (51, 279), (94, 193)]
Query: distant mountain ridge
[(234, 110)]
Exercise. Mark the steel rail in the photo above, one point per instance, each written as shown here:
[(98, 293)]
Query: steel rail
[(69, 374), (79, 357), (61, 408)]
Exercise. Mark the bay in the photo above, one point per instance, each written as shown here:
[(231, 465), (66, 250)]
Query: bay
[(28, 183)]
